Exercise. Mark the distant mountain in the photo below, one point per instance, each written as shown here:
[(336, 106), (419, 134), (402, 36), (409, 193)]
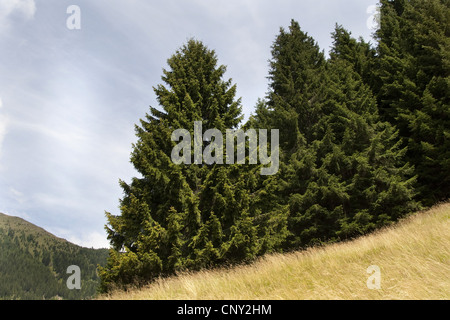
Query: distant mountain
[(34, 263)]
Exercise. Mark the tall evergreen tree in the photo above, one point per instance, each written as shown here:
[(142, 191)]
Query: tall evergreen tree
[(360, 54), (344, 173), (295, 83), (414, 88), (185, 216), (161, 225)]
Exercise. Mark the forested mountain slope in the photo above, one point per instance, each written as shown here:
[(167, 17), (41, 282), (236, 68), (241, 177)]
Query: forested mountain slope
[(33, 263)]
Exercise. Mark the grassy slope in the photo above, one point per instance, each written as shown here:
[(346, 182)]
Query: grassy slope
[(414, 258), (21, 225)]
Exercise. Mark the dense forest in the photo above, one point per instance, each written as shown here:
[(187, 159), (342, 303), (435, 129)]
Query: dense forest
[(34, 263), (364, 140)]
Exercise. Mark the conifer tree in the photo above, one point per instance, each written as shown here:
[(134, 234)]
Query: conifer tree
[(413, 86), (344, 174), (185, 216), (162, 228), (359, 53)]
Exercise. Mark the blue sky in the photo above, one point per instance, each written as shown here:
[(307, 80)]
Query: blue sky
[(69, 99)]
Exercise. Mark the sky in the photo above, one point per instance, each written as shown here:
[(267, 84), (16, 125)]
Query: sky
[(73, 84)]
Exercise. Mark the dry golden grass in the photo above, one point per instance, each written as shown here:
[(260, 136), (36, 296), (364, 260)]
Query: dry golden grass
[(413, 256)]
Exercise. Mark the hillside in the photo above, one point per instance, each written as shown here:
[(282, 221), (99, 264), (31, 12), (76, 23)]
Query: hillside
[(413, 257), (33, 263)]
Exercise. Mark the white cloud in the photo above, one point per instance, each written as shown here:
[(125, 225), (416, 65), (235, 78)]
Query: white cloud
[(17, 195), (91, 240), (24, 8), (87, 239)]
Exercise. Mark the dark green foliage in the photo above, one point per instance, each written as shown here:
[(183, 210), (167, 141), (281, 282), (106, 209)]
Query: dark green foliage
[(178, 217), (358, 53), (344, 167), (34, 263), (414, 87)]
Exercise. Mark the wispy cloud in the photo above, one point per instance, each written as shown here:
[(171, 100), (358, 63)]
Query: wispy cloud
[(11, 9), (82, 238), (17, 195)]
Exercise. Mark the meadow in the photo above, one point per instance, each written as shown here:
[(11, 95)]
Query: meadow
[(413, 257)]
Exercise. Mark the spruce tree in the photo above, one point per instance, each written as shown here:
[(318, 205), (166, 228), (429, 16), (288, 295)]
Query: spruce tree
[(413, 86), (343, 174), (359, 53), (163, 226), (295, 81), (192, 215)]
